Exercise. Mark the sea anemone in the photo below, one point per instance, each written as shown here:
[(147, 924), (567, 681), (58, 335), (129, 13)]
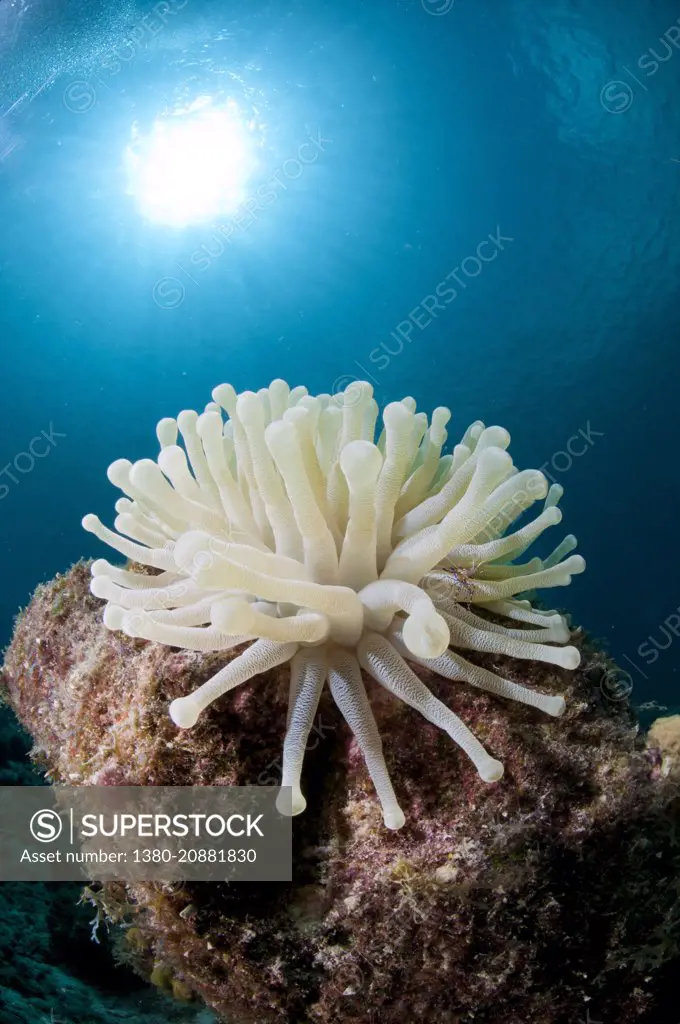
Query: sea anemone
[(290, 527)]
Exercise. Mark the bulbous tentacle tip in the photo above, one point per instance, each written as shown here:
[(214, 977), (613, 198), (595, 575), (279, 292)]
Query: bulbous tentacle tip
[(233, 615), (490, 770), (184, 712), (426, 636), (574, 564), (394, 819), (555, 706), (113, 616), (561, 631), (192, 552), (290, 803), (361, 461), (100, 587), (186, 419), (133, 623), (571, 657)]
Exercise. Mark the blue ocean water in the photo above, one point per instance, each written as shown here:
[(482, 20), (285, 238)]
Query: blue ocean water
[(397, 143), (473, 203)]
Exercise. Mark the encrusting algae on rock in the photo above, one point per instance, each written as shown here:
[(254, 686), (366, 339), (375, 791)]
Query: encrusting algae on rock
[(544, 896), (528, 900)]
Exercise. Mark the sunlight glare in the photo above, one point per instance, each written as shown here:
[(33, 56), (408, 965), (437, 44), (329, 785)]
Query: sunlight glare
[(193, 166)]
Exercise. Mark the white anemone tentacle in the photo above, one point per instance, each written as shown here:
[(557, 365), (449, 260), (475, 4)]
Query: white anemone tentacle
[(279, 521)]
